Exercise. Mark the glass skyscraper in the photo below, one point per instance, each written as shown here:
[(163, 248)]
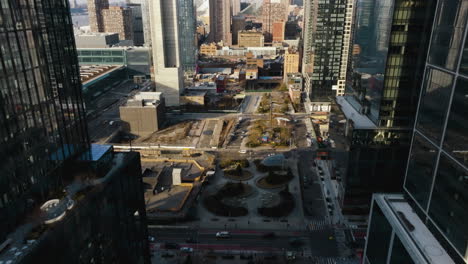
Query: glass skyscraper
[(433, 225), (390, 44), (41, 109), (187, 27), (62, 200)]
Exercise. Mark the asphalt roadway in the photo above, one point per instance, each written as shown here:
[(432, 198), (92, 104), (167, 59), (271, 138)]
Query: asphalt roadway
[(320, 243)]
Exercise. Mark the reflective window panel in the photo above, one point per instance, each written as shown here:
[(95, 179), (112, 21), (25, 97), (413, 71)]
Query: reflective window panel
[(434, 103), (378, 237), (399, 253), (420, 170), (447, 34), (448, 202), (456, 135)]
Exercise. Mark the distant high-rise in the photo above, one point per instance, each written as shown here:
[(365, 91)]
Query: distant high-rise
[(73, 4), (220, 21), (273, 11), (327, 35), (427, 224), (96, 19), (238, 24), (145, 20), (235, 7), (118, 20), (187, 34), (138, 27), (173, 38), (145, 16), (291, 62), (278, 31), (56, 189)]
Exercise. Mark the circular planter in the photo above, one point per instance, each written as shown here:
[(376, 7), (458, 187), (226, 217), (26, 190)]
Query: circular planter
[(246, 175)]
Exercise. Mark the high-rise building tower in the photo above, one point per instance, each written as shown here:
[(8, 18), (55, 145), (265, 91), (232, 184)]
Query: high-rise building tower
[(187, 34), (427, 224), (235, 7), (382, 94), (173, 38), (327, 35), (56, 188), (138, 26), (278, 31), (238, 24), (96, 19), (73, 4), (118, 20), (220, 21), (273, 11), (291, 62), (145, 20)]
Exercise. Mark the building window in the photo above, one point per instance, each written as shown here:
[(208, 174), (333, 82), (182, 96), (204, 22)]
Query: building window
[(447, 34), (448, 203), (399, 253), (379, 234), (420, 170), (456, 137), (434, 103)]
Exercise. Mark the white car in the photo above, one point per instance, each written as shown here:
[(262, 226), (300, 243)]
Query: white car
[(186, 249), (223, 234), (242, 151)]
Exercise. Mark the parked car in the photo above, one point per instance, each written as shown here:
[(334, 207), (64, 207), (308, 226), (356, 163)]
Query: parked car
[(223, 234), (186, 249)]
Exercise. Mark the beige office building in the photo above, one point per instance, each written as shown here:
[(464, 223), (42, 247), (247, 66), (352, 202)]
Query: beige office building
[(291, 62), (250, 38), (208, 49)]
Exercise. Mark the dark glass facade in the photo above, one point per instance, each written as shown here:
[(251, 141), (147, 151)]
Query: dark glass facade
[(380, 233), (187, 27), (436, 180), (41, 109), (375, 157), (399, 254), (45, 153), (391, 39)]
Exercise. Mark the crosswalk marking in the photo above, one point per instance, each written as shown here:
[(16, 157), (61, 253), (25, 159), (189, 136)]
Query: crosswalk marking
[(332, 260), (318, 224)]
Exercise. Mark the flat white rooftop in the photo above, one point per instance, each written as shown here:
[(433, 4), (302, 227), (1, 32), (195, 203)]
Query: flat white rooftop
[(360, 121), (413, 233)]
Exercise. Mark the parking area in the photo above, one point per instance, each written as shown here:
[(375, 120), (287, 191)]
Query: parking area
[(239, 132)]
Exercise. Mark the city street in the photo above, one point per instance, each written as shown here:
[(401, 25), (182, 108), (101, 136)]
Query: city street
[(319, 243), (314, 203), (250, 103), (103, 116)]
